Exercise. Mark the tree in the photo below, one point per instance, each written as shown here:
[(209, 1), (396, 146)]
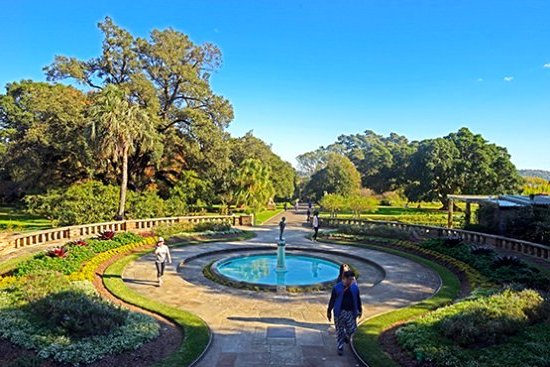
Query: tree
[(42, 134), (117, 129), (339, 176), (283, 175), (169, 76), (361, 202), (381, 161), (311, 162), (433, 171), (253, 185), (333, 203)]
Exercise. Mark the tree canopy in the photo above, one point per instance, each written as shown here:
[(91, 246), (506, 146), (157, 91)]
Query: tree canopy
[(459, 163), (175, 124)]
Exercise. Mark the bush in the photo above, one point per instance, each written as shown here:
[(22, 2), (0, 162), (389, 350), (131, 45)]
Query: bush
[(374, 231), (510, 326), (211, 226), (500, 270), (77, 314), (485, 321), (145, 204), (87, 202)]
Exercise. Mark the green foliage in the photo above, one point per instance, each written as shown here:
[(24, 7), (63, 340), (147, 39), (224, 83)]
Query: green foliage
[(536, 186), (253, 185), (87, 202), (361, 203), (333, 203), (453, 335), (374, 231), (68, 321), (338, 176), (526, 223), (487, 263), (282, 174), (146, 204), (459, 163), (76, 256), (42, 127), (77, 314)]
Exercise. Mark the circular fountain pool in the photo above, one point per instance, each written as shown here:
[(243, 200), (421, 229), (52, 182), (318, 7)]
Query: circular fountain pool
[(300, 270)]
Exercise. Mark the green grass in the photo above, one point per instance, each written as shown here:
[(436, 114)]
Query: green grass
[(196, 332), (266, 215), (368, 333), (15, 219)]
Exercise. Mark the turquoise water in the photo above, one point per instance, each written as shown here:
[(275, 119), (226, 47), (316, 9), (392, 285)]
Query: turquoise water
[(261, 269)]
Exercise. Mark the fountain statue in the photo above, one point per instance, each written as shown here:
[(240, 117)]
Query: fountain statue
[(281, 261)]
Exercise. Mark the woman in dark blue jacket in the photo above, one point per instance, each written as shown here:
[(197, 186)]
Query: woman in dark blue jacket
[(345, 301)]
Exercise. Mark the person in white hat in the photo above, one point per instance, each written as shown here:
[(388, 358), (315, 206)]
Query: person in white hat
[(162, 256)]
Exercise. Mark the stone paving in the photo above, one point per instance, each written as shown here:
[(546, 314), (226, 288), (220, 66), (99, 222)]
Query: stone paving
[(278, 329)]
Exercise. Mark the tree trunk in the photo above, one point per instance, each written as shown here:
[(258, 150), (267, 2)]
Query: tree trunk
[(123, 185)]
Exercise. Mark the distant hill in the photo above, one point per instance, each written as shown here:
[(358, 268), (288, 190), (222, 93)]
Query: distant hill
[(535, 173)]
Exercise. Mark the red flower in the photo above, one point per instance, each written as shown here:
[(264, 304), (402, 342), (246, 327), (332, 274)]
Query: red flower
[(57, 252)]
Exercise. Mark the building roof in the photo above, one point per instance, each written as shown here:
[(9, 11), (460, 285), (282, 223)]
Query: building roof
[(505, 201)]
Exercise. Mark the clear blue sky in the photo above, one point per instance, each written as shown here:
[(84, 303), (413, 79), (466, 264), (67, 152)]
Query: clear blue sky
[(300, 73)]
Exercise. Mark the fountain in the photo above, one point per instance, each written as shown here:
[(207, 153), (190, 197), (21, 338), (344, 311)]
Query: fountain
[(277, 270)]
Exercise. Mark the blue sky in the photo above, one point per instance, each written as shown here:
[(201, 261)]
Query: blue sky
[(300, 73)]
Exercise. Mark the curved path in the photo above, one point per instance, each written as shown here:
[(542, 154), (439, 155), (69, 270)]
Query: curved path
[(263, 328)]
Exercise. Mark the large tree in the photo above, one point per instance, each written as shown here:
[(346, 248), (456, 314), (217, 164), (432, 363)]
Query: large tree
[(118, 127), (339, 176), (283, 175), (460, 163), (169, 76), (42, 134)]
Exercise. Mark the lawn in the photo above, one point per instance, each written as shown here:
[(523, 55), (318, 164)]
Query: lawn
[(14, 219), (422, 213)]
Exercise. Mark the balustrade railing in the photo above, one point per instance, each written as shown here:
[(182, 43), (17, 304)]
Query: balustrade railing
[(62, 234), (511, 244)]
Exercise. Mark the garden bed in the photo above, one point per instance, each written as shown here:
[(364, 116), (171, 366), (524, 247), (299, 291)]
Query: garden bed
[(420, 343), (36, 341)]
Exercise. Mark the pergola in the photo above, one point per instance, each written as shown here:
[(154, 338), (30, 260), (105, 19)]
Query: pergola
[(468, 199)]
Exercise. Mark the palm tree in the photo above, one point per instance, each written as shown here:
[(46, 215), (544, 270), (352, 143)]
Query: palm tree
[(117, 126), (254, 187)]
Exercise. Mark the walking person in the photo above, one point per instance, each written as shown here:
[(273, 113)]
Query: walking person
[(162, 256), (308, 215), (345, 301), (315, 224)]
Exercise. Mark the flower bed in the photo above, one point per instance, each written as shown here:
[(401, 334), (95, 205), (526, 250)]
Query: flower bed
[(474, 278), (68, 321)]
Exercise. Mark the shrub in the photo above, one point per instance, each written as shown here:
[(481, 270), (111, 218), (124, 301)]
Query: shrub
[(77, 314), (486, 320), (211, 226), (57, 252), (106, 235), (85, 202), (374, 230), (500, 261), (453, 241), (482, 250)]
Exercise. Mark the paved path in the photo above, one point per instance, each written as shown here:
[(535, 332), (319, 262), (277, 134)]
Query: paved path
[(263, 328)]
